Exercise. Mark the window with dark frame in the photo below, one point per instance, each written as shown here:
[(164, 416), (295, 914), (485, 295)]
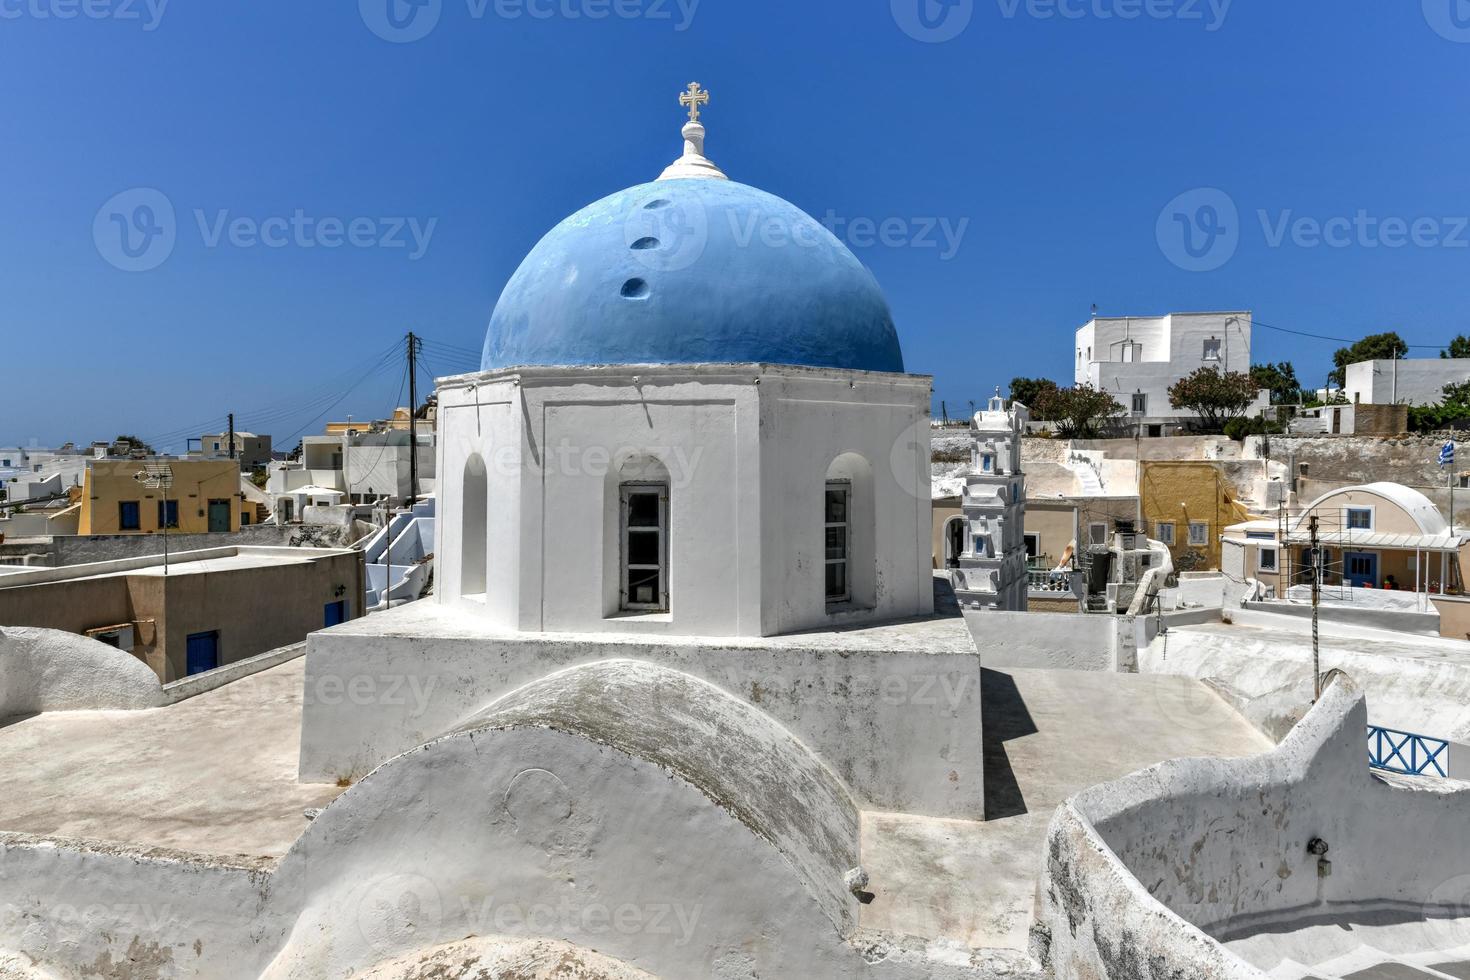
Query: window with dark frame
[(645, 509), (128, 514), (839, 540), (168, 514)]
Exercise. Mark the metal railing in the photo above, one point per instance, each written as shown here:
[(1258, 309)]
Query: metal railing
[(1407, 753)]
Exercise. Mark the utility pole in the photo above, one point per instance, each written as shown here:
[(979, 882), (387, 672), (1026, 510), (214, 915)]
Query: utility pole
[(413, 428), (232, 435), (1316, 597)]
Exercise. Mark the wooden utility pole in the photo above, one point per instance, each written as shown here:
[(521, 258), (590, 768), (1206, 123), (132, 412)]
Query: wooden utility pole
[(413, 429), (232, 435)]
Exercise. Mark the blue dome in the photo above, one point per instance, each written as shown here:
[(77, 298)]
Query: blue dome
[(687, 271)]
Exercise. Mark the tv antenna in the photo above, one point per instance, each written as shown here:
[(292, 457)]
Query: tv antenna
[(159, 476)]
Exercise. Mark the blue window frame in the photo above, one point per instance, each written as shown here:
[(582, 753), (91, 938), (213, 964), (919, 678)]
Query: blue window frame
[(1360, 518), (127, 515), (168, 513)]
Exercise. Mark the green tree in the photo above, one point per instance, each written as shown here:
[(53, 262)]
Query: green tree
[(1079, 412), (1279, 379), (1452, 410), (1028, 392), (1375, 347), (1459, 347), (1217, 397), (135, 442)]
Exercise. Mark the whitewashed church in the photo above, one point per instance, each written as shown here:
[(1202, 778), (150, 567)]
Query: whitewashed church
[(693, 418)]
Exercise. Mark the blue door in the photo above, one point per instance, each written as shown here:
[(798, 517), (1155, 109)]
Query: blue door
[(336, 613), (1360, 568), (203, 652)]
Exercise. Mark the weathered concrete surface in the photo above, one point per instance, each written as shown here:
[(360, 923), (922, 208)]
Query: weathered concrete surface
[(501, 958), (545, 815), (731, 752), (1048, 735), (893, 710), (48, 670), (1415, 684), (213, 775), (1142, 872)]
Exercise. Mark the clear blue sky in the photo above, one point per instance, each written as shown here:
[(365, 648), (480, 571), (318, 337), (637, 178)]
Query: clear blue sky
[(1059, 140)]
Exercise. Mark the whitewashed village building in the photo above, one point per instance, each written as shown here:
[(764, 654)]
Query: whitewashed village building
[(1137, 359), (992, 572)]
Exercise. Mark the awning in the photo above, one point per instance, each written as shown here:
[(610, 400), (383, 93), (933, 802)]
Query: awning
[(1378, 540)]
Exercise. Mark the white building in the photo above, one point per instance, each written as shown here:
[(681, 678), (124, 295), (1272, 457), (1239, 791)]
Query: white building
[(1412, 381), (992, 572), (1137, 360), (365, 466)]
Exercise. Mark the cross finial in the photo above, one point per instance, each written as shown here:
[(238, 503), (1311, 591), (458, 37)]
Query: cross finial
[(694, 98)]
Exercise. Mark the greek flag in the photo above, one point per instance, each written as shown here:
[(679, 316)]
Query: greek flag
[(1447, 454)]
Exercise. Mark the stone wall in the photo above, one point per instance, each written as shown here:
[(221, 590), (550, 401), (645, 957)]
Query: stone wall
[(91, 548)]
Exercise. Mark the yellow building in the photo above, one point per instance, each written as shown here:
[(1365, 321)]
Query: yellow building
[(205, 496), (1187, 506)]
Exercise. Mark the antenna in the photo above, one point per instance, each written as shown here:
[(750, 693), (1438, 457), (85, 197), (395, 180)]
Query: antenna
[(159, 476)]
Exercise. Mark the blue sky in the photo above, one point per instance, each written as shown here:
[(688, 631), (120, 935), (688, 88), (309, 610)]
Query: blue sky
[(1052, 133)]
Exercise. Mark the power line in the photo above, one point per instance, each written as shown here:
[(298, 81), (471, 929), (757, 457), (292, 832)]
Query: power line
[(1335, 340), (273, 411)]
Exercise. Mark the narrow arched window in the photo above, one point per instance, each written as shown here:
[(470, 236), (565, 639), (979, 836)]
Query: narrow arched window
[(643, 503), (473, 541)]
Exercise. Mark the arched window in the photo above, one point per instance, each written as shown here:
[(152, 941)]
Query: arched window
[(849, 568), (643, 536), (954, 541), (473, 540)]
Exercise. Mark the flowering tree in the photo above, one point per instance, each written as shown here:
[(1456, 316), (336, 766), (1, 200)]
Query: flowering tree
[(1079, 413), (1215, 396)]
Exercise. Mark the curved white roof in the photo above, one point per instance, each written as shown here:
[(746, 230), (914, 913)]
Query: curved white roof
[(1411, 501)]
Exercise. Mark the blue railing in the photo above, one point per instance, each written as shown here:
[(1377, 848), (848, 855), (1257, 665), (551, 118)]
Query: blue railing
[(1405, 752)]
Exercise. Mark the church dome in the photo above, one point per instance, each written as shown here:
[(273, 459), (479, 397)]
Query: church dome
[(692, 268)]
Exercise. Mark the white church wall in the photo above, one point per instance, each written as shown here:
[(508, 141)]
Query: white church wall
[(747, 449), (807, 423), (897, 725), (482, 420)]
